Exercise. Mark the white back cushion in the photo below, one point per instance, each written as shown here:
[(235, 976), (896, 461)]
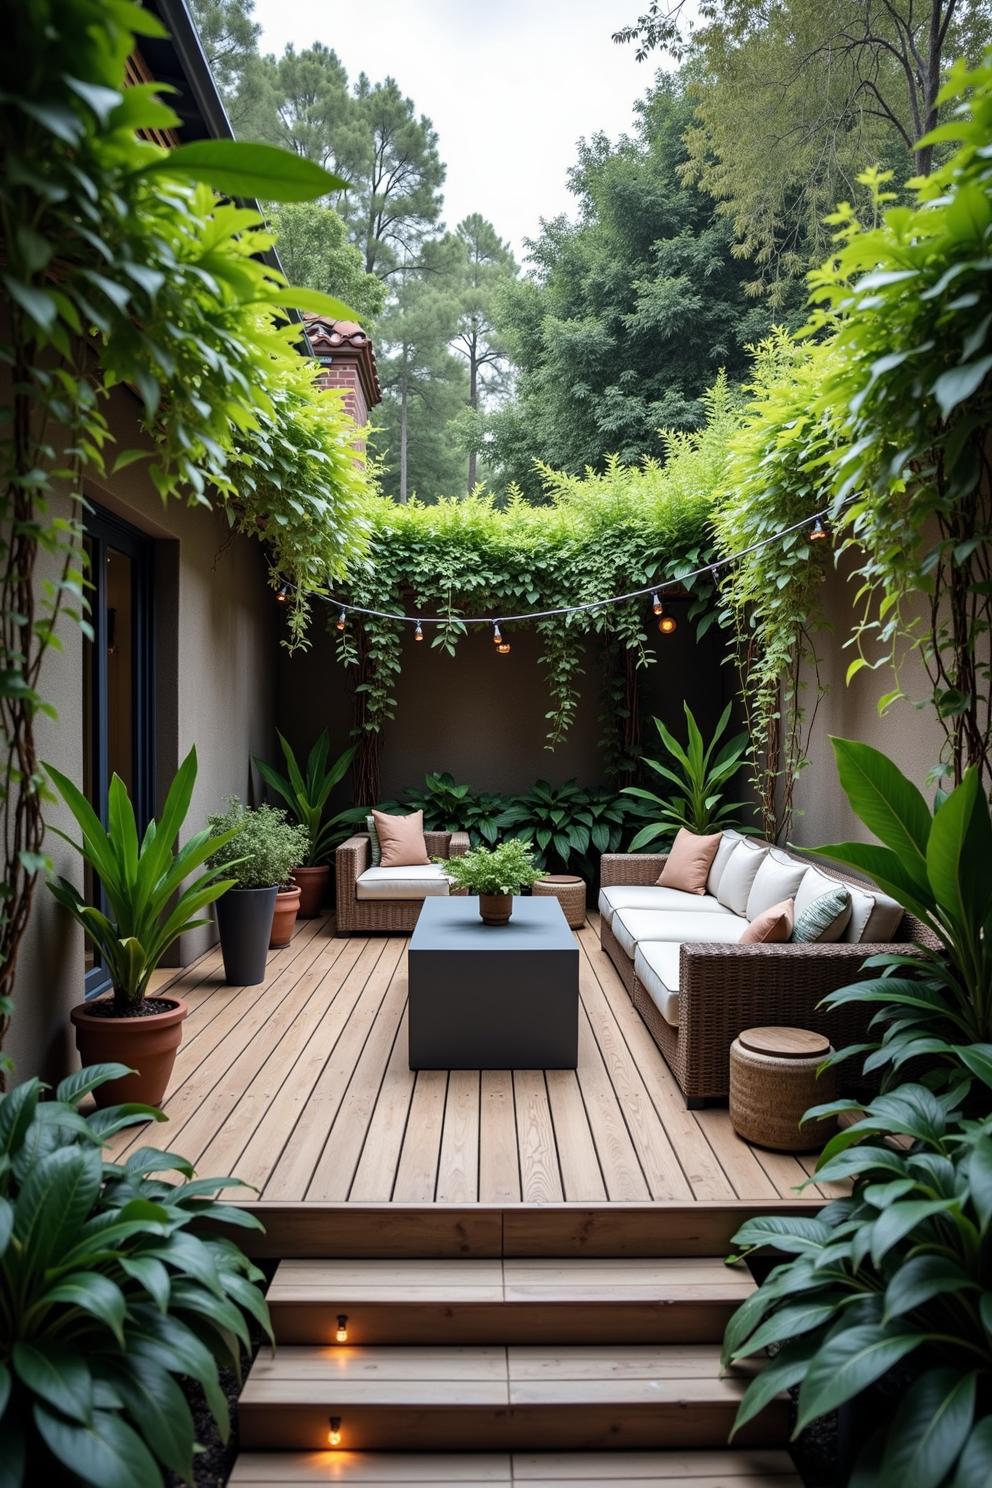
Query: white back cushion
[(720, 861), (740, 873), (813, 886), (874, 916), (778, 878)]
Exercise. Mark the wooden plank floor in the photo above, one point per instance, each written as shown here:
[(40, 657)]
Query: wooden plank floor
[(301, 1087)]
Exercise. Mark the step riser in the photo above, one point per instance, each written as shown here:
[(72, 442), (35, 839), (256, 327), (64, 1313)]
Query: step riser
[(494, 1323), (586, 1427)]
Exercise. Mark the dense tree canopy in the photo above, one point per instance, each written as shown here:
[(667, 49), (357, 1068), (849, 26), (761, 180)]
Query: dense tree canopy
[(314, 250)]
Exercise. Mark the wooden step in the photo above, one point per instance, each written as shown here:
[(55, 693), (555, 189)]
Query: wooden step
[(498, 1398), (728, 1469), (627, 1300)]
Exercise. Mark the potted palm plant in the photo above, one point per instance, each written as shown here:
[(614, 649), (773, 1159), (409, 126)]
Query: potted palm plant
[(259, 849), (495, 874), (146, 908), (306, 796)]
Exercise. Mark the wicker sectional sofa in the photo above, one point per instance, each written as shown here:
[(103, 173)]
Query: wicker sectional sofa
[(374, 901), (697, 989)]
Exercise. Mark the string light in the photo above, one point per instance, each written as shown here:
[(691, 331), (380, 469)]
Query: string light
[(668, 624), (341, 1336), (497, 634), (817, 532), (334, 1434), (282, 594), (503, 648), (418, 634), (656, 603), (342, 619)]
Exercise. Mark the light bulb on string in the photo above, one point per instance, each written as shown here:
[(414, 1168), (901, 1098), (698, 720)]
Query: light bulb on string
[(818, 531), (341, 1334), (497, 634), (503, 648), (418, 634), (667, 624), (342, 619), (334, 1434), (282, 593), (656, 603)]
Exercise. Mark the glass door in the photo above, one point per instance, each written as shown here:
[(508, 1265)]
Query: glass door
[(118, 729)]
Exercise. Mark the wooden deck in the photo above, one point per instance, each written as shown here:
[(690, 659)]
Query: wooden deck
[(301, 1087)]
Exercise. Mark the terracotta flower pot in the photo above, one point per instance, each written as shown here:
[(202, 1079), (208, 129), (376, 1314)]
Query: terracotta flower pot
[(312, 884), (495, 909), (287, 908), (148, 1044)]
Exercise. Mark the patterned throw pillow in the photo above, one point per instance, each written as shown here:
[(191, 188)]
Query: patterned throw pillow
[(374, 839), (815, 920)]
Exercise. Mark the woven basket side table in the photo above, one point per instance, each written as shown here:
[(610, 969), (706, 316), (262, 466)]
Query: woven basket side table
[(570, 893), (773, 1081)]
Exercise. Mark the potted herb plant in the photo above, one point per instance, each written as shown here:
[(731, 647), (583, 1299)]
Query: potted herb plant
[(306, 795), (140, 919), (259, 850), (495, 874)]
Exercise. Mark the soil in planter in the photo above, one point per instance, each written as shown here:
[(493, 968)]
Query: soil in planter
[(100, 1009)]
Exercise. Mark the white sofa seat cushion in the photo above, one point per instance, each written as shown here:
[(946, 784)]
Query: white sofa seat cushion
[(422, 881), (740, 873), (653, 896), (633, 926), (721, 859), (656, 966), (778, 878)]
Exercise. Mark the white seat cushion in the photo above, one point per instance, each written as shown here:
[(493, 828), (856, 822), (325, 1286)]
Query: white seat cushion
[(874, 916), (632, 926), (423, 881), (813, 886), (653, 896), (740, 873), (720, 861), (778, 878), (656, 966)]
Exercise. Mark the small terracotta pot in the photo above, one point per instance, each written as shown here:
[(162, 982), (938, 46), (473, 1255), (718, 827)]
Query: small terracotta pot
[(312, 884), (287, 908), (495, 909), (148, 1045)]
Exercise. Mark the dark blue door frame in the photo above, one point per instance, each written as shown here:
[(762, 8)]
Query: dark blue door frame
[(105, 532)]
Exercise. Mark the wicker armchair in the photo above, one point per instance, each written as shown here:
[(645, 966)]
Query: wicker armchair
[(382, 916), (724, 989)]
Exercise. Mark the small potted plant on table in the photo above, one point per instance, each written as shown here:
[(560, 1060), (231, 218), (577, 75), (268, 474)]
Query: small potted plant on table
[(306, 796), (142, 917), (495, 874), (259, 851)]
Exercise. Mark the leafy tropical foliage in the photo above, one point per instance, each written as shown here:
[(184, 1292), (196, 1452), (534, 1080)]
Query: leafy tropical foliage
[(450, 807), (257, 846), (504, 869), (896, 1275), (151, 894), (307, 795), (938, 865), (117, 1283), (566, 820), (701, 774)]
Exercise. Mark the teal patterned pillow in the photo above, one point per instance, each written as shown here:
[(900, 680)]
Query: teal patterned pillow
[(817, 918), (374, 839)]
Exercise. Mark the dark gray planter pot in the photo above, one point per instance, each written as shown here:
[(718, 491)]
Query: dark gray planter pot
[(244, 920)]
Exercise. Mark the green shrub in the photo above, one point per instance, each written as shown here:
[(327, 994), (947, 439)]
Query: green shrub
[(567, 819), (265, 847), (115, 1285), (504, 869)]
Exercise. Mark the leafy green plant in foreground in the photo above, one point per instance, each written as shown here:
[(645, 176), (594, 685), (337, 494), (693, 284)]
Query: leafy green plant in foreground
[(112, 1290), (307, 795), (150, 896), (494, 870), (700, 775), (898, 1275), (257, 846)]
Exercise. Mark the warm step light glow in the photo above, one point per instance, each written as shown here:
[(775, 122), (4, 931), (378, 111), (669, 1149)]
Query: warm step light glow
[(341, 1336), (334, 1435)]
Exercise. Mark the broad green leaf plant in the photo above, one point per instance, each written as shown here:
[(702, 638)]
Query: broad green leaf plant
[(306, 795), (123, 266), (566, 821), (701, 774), (153, 892), (121, 1291)]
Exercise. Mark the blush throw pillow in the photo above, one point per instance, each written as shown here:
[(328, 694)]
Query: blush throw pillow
[(401, 839), (689, 862), (773, 926)]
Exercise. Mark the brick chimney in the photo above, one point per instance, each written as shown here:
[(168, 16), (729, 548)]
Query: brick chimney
[(347, 361)]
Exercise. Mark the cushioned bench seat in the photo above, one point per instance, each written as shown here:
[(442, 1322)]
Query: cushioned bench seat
[(632, 926), (652, 896), (422, 882), (656, 966)]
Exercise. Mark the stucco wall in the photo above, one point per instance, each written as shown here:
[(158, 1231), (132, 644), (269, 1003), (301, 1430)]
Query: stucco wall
[(216, 639)]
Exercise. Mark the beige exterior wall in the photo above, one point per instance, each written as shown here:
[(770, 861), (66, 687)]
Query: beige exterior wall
[(909, 736), (216, 635)]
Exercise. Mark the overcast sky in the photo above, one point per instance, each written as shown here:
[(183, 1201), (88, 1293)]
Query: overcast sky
[(510, 86)]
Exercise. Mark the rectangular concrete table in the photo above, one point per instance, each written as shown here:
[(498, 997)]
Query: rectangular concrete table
[(493, 996)]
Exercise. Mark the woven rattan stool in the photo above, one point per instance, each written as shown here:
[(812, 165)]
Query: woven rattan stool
[(570, 893), (773, 1081)]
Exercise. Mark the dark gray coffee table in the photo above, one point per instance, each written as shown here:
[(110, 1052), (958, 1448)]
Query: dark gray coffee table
[(493, 996)]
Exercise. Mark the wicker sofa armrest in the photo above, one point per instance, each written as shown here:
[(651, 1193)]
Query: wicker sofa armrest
[(351, 859), (438, 844), (630, 868), (459, 845)]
